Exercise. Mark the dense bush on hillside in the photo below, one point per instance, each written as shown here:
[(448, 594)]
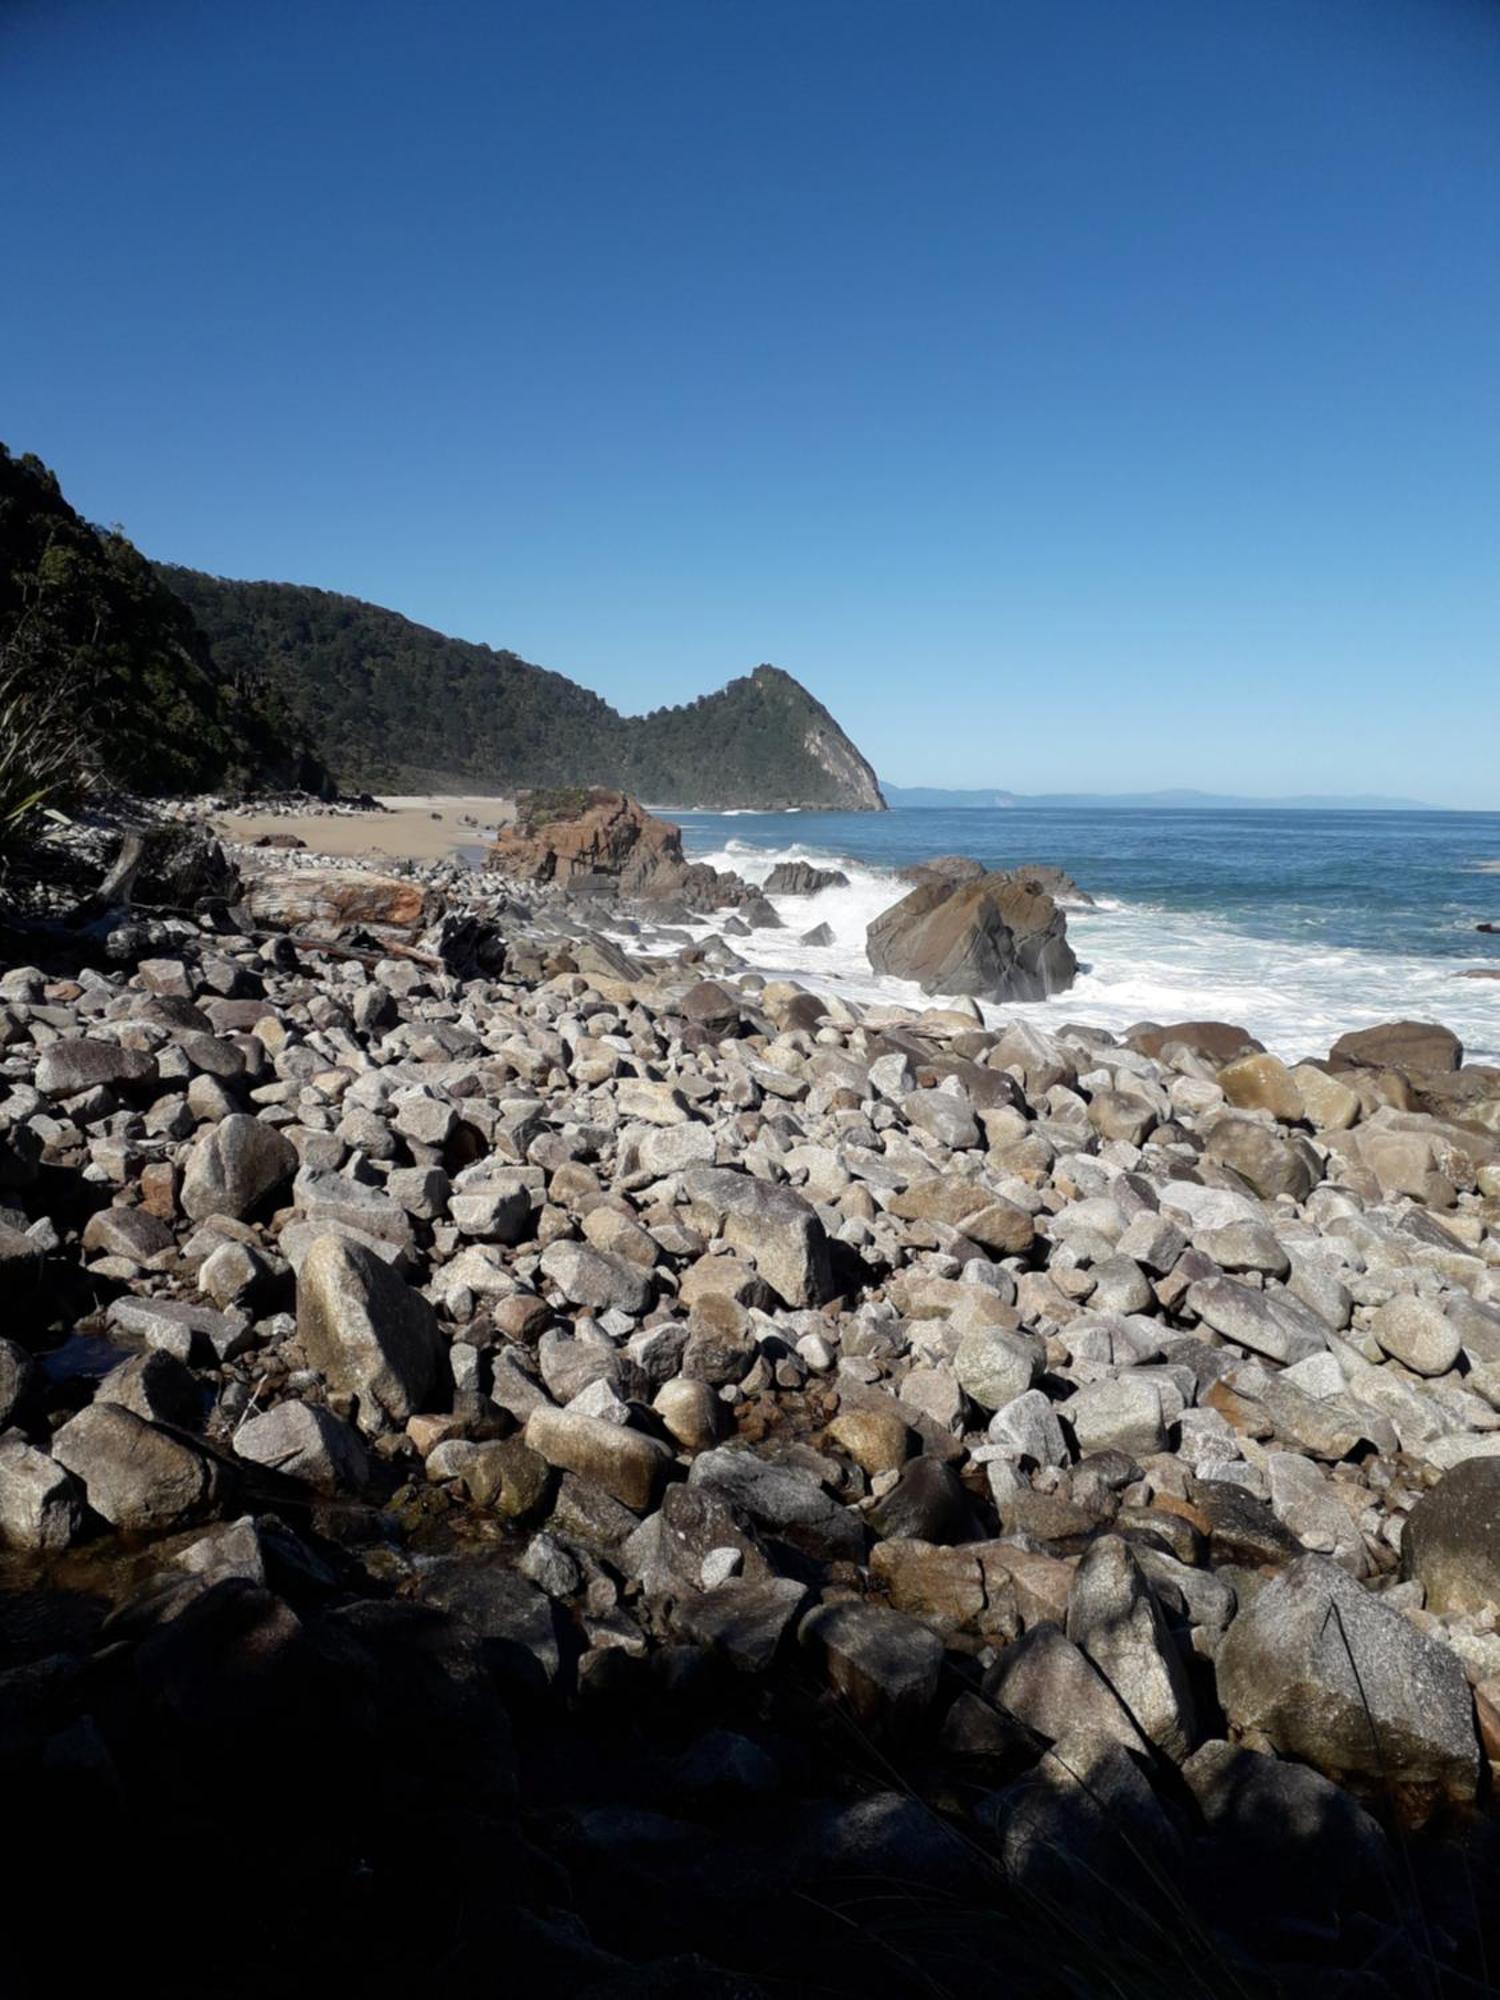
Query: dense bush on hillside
[(80, 609), (396, 705)]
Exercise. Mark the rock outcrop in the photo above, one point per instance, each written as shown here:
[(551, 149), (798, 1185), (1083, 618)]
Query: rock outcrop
[(993, 937)]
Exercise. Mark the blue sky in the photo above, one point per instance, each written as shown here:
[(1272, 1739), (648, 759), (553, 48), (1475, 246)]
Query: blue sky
[(1076, 394)]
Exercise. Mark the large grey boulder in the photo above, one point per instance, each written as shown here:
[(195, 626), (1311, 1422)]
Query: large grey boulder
[(884, 1664), (1048, 1684), (366, 1331), (19, 1378), (41, 1503), (774, 1226), (137, 1475), (1451, 1541), (234, 1166), (1418, 1332), (1326, 1672), (598, 1279), (1114, 1617), (1309, 1847), (994, 937), (1421, 1047), (994, 1366), (800, 878), (781, 1499), (73, 1065), (303, 1441), (1269, 1161)]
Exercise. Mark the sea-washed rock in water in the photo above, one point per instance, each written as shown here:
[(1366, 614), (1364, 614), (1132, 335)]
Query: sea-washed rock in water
[(993, 938), (326, 901), (800, 878), (943, 868), (1052, 881)]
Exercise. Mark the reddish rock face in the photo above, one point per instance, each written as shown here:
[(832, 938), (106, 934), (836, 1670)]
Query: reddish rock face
[(558, 836)]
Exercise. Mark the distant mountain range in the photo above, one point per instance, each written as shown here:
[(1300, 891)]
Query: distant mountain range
[(1173, 801)]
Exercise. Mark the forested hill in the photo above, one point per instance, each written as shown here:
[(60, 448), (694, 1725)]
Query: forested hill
[(395, 706), (83, 613)]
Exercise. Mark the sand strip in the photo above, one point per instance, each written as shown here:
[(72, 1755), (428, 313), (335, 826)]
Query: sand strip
[(414, 829)]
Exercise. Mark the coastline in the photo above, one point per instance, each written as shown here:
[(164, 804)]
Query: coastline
[(414, 827)]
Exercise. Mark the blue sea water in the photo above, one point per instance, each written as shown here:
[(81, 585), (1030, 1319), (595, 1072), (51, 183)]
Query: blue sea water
[(1296, 925)]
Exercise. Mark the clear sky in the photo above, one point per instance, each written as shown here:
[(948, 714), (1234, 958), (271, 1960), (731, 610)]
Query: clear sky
[(1075, 394)]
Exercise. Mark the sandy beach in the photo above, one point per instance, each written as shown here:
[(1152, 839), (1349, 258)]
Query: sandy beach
[(414, 828)]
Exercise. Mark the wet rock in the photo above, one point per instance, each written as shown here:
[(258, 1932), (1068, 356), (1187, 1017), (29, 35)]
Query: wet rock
[(801, 878), (1421, 1047), (781, 1499), (992, 937)]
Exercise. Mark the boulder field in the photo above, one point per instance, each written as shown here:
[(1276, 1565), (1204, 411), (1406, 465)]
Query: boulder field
[(542, 1455)]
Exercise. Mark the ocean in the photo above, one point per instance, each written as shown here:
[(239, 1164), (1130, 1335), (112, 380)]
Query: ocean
[(1295, 925)]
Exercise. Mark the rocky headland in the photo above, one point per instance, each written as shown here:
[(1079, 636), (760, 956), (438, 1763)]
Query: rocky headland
[(530, 1450)]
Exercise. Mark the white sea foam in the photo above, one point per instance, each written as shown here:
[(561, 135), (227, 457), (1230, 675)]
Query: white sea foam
[(1138, 964)]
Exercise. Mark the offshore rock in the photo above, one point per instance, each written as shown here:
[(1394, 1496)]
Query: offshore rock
[(993, 938)]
